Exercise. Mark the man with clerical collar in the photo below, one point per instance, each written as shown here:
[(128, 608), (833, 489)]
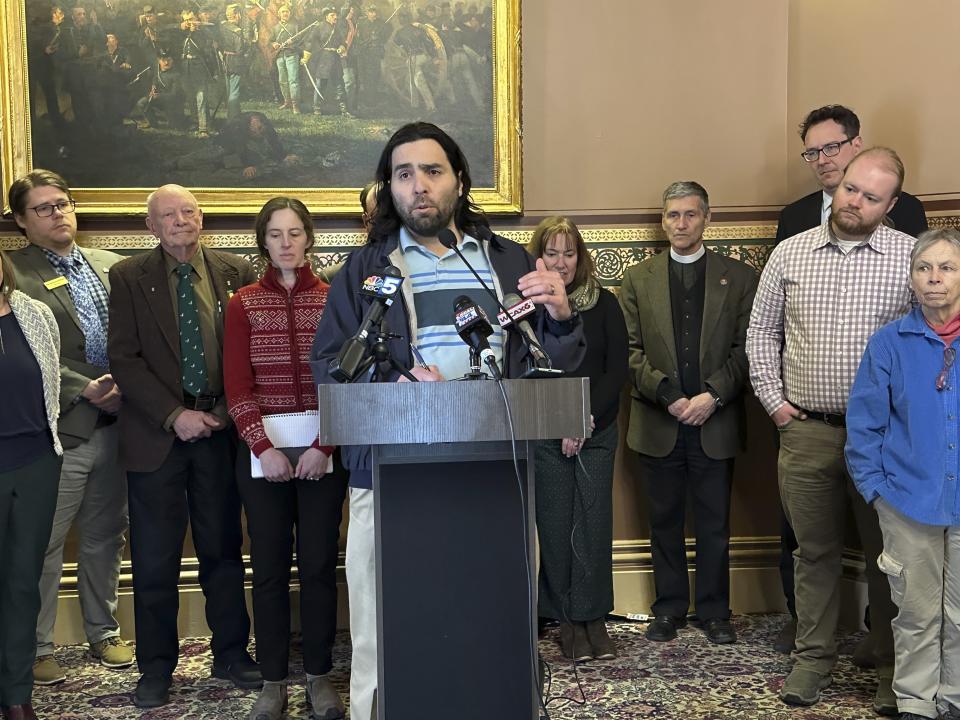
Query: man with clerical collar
[(686, 312), (822, 294), (93, 493), (165, 345)]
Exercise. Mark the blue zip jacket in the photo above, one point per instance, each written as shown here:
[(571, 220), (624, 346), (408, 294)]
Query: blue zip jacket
[(902, 433), (563, 342)]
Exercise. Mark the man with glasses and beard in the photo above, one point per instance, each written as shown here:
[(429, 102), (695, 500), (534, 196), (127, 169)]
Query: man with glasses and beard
[(424, 187), (822, 295), (831, 139)]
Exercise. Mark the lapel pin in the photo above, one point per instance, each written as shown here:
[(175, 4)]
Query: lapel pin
[(723, 281)]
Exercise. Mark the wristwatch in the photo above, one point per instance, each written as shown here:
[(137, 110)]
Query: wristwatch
[(716, 397)]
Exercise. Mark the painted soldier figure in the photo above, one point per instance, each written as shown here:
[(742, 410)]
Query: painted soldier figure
[(328, 47)]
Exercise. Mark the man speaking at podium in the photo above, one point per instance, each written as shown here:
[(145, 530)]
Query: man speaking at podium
[(423, 189)]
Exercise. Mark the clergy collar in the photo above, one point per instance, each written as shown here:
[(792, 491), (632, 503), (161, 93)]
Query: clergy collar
[(686, 259)]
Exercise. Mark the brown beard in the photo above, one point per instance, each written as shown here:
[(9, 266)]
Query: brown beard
[(850, 226)]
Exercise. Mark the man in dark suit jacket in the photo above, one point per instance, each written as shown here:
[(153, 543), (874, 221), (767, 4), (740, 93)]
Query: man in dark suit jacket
[(166, 340), (73, 282), (831, 139), (687, 312)]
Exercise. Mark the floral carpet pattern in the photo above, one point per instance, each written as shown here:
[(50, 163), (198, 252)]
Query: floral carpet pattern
[(688, 678)]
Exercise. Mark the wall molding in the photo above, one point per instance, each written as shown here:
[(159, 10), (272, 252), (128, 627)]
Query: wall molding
[(754, 584)]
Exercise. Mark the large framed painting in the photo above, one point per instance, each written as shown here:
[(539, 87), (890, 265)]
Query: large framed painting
[(244, 100)]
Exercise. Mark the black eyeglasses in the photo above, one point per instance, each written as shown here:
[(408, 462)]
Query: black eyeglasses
[(828, 150), (949, 355), (65, 207)]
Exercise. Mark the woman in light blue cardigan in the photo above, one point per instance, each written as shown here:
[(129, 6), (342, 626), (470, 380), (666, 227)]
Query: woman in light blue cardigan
[(903, 452), (29, 478)]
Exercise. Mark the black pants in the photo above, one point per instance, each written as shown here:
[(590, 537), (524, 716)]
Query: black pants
[(274, 509), (669, 479), (28, 500), (196, 483)]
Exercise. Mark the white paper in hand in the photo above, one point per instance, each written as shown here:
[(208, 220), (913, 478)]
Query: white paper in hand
[(290, 432)]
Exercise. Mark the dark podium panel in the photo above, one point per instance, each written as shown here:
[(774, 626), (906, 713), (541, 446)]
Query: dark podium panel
[(456, 585)]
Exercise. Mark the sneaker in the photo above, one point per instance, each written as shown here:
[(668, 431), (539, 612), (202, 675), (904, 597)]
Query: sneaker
[(112, 652), (802, 687), (885, 700), (47, 671), (272, 702), (323, 701)]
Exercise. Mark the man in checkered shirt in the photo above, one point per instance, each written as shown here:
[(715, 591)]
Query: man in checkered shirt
[(822, 294)]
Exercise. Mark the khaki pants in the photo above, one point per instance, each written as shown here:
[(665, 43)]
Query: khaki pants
[(362, 590), (814, 487), (92, 496), (922, 563)]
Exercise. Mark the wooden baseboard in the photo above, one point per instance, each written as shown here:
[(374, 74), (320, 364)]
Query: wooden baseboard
[(754, 588)]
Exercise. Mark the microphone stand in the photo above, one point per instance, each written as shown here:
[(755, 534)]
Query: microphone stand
[(380, 356)]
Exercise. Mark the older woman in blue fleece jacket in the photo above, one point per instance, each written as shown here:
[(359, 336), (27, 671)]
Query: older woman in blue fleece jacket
[(902, 452)]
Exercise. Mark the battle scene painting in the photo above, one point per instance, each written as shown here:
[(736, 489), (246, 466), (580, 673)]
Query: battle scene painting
[(257, 95)]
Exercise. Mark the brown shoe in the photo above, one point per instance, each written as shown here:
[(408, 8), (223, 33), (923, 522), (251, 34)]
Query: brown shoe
[(574, 642), (284, 105), (323, 701), (600, 642), (19, 712)]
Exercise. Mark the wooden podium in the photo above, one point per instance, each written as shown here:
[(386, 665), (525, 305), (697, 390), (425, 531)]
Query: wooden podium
[(456, 573)]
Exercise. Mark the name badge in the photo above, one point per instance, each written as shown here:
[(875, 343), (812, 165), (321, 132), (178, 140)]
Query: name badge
[(58, 281)]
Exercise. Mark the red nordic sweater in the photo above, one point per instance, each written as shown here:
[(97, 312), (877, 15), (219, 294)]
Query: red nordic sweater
[(266, 352)]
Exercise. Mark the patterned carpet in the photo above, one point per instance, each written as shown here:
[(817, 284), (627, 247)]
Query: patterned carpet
[(688, 678)]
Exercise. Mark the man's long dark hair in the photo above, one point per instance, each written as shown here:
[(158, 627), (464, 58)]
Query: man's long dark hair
[(469, 218)]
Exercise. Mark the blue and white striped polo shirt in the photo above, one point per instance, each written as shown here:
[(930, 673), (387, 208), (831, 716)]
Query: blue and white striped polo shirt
[(437, 282)]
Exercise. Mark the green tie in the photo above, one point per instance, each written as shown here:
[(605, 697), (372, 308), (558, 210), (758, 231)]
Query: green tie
[(193, 366)]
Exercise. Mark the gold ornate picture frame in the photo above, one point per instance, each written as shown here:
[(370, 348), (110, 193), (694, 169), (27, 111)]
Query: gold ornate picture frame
[(337, 157)]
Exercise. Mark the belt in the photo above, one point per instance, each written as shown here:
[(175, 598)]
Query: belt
[(202, 402), (832, 419)]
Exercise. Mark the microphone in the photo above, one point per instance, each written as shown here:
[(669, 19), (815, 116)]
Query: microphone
[(474, 328), (351, 360), (518, 309), (449, 240)]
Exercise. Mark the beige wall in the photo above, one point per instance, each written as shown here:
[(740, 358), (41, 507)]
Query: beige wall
[(893, 62), (621, 97)]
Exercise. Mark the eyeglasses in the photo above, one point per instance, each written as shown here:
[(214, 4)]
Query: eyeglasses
[(64, 207), (949, 355), (828, 150)]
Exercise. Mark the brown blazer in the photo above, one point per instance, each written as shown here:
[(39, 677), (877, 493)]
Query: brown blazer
[(728, 298), (78, 418), (144, 347)]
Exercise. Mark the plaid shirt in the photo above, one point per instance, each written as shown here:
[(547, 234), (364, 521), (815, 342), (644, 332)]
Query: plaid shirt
[(101, 298), (815, 309)]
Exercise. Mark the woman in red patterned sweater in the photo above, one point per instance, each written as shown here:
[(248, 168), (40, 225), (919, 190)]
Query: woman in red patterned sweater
[(269, 329)]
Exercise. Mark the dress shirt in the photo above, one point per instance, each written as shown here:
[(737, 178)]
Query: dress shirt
[(815, 309), (825, 208)]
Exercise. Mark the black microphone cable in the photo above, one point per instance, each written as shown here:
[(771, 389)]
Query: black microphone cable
[(531, 592)]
